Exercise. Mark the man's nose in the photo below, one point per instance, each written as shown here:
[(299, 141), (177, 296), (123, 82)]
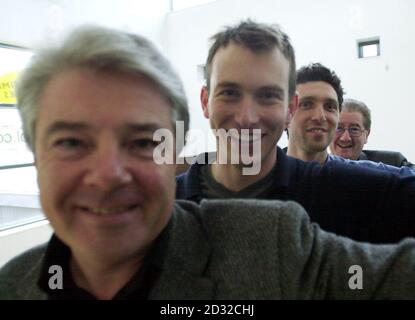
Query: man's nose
[(107, 169), (319, 114), (247, 115), (345, 136)]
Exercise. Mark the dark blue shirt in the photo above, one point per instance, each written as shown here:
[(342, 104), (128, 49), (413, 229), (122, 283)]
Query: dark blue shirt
[(361, 203)]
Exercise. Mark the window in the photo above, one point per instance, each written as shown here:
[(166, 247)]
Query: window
[(183, 4), (19, 202), (13, 149), (368, 48)]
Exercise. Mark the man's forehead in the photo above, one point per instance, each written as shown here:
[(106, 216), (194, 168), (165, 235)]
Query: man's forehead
[(238, 64), (234, 47), (352, 117)]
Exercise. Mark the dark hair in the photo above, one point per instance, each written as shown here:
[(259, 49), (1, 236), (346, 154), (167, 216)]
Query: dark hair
[(318, 72), (257, 37), (351, 105)]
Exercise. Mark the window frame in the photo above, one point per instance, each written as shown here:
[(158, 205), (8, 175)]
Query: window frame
[(367, 42)]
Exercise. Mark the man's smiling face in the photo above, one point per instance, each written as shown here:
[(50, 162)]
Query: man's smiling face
[(99, 185), (344, 144)]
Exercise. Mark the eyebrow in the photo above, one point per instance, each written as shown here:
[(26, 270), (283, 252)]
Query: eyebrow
[(143, 127), (351, 125), (65, 126), (229, 84), (277, 89), (316, 98)]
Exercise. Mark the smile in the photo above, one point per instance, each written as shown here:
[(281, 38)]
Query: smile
[(317, 130), (104, 211), (344, 146)]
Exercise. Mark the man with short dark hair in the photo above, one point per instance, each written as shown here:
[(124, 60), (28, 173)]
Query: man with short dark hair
[(314, 120), (352, 134)]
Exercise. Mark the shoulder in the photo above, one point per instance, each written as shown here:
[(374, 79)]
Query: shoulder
[(18, 278), (250, 217), (388, 157), (238, 216)]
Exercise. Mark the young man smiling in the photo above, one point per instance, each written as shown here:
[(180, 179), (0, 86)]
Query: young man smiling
[(314, 122)]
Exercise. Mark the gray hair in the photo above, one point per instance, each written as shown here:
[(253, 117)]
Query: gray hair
[(351, 105), (104, 49)]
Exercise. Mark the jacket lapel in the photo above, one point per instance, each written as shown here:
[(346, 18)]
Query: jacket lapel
[(187, 255)]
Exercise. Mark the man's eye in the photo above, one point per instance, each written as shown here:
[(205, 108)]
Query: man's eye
[(354, 130), (269, 95), (305, 104), (331, 106), (70, 148), (229, 93), (69, 143), (145, 143)]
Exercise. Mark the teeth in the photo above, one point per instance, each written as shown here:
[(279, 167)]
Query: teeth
[(317, 130), (107, 211), (250, 137)]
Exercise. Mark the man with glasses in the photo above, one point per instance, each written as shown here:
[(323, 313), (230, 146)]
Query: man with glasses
[(352, 133), (315, 119)]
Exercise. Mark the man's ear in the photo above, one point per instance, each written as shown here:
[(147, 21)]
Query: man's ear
[(204, 100), (292, 108)]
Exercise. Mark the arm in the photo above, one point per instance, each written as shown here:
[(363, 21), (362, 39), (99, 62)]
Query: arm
[(315, 264), (405, 170)]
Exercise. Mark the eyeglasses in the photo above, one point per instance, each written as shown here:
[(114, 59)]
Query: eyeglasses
[(353, 131)]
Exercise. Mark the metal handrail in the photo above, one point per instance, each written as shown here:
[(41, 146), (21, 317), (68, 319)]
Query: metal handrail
[(14, 166)]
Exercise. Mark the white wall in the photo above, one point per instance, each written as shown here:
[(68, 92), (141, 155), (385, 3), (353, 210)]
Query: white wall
[(28, 22), (324, 31), (17, 240)]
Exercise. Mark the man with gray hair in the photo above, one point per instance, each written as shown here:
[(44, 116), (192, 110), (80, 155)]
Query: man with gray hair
[(352, 133), (90, 110)]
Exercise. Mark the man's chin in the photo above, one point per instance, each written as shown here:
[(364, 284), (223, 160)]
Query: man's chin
[(345, 153), (319, 147)]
